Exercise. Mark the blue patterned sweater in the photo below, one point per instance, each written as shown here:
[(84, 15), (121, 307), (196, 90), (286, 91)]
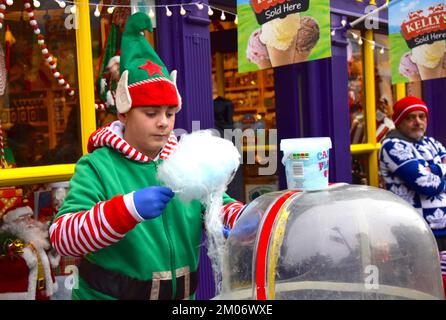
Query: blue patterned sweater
[(404, 167)]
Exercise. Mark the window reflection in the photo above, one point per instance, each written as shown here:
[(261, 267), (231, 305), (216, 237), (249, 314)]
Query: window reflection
[(355, 90), (40, 121), (383, 88), (360, 164)]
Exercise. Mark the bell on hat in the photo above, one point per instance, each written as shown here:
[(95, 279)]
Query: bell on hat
[(144, 80)]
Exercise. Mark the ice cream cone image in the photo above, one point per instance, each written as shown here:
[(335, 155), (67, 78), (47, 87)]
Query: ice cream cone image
[(306, 39), (429, 59), (256, 51), (409, 69), (443, 73), (431, 73), (301, 56), (280, 57), (279, 36), (264, 64), (415, 77)]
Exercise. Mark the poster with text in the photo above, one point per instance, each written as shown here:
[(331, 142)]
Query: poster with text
[(274, 33), (417, 33)]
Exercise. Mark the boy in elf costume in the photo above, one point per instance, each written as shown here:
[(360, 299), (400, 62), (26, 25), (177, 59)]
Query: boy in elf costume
[(138, 240)]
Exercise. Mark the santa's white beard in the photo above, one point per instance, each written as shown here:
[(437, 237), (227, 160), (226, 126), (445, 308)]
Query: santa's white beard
[(35, 232)]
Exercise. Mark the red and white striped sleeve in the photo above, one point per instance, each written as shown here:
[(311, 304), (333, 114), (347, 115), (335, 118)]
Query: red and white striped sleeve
[(231, 212), (78, 233)]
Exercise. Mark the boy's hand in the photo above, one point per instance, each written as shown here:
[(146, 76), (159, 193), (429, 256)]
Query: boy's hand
[(151, 201)]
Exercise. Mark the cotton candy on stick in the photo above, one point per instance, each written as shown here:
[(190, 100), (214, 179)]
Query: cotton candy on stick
[(201, 168), (201, 165)]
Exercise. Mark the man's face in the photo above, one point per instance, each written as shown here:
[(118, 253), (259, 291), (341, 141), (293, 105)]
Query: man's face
[(414, 125), (148, 128)]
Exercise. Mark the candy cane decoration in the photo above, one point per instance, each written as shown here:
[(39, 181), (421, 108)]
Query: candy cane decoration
[(2, 148), (46, 54), (2, 12)]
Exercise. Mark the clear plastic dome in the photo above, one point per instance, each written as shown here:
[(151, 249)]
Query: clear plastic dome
[(345, 242)]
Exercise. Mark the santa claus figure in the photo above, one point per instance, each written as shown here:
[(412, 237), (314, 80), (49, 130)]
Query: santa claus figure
[(25, 258)]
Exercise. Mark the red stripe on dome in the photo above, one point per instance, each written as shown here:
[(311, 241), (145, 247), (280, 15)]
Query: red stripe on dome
[(262, 247)]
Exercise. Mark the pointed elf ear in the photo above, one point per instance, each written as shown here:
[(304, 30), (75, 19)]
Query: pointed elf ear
[(173, 77), (123, 99)]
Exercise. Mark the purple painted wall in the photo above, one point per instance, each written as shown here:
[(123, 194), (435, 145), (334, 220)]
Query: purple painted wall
[(184, 44), (312, 101), (434, 94)]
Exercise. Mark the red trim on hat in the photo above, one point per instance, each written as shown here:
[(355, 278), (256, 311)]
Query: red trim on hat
[(154, 93)]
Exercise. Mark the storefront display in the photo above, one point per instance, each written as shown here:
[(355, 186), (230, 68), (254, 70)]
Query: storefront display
[(38, 109)]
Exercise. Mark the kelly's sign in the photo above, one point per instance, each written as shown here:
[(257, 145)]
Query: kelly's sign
[(267, 10), (423, 27)]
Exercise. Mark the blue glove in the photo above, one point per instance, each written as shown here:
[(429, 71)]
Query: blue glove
[(245, 229), (151, 201)]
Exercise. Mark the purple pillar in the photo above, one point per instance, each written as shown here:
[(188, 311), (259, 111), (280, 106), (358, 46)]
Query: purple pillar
[(288, 118), (337, 113), (183, 42), (434, 94)]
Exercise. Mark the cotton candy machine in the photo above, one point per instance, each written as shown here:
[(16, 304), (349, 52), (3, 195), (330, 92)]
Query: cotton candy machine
[(344, 242)]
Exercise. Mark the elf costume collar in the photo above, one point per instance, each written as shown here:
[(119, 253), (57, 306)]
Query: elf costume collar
[(112, 136), (144, 80)]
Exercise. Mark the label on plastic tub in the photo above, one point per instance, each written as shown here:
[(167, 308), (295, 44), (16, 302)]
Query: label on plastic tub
[(306, 162)]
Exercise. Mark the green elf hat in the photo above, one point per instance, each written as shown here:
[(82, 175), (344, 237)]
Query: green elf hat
[(144, 80)]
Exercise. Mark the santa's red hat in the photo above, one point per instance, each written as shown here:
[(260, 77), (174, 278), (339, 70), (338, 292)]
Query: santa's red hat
[(16, 212), (406, 105)]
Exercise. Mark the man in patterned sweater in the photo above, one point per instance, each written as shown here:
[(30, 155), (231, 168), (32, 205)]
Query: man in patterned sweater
[(137, 240), (413, 165)]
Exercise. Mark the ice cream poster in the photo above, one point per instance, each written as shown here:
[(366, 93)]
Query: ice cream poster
[(274, 33), (417, 33)]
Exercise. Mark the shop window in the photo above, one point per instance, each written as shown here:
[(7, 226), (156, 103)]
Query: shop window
[(370, 76), (414, 89), (44, 201), (356, 90), (252, 98), (360, 164), (384, 97), (40, 121)]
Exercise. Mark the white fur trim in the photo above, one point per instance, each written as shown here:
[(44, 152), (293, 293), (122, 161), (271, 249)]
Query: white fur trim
[(110, 100), (49, 285), (54, 259), (31, 262), (123, 98), (113, 60), (13, 215)]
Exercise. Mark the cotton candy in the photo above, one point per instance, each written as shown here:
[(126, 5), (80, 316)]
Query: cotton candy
[(200, 169), (201, 165)]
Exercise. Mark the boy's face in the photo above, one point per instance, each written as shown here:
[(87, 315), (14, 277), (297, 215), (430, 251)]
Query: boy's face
[(148, 128)]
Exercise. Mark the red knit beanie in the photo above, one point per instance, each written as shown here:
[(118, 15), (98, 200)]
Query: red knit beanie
[(406, 105)]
